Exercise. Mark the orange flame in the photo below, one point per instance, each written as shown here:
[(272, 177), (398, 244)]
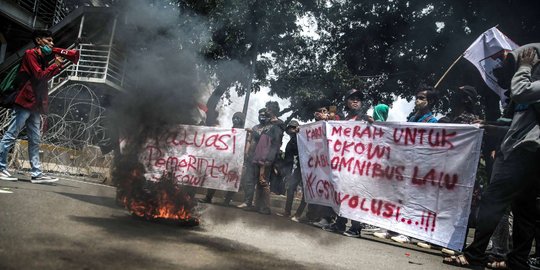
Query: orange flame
[(163, 200)]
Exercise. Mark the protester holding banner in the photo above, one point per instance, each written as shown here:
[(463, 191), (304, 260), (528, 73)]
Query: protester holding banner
[(463, 112), (353, 101), (294, 176), (514, 175), (238, 120), (426, 98), (319, 215)]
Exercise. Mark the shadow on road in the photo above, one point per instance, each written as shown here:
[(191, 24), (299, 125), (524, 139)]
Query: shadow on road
[(97, 200), (232, 254)]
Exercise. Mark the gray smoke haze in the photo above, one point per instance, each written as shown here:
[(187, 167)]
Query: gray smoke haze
[(168, 71), (165, 83)]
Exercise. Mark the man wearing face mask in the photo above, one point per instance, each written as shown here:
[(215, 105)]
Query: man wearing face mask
[(269, 140), (426, 98), (30, 102), (252, 172), (292, 168), (356, 111)]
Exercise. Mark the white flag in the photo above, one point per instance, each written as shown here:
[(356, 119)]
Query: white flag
[(487, 53)]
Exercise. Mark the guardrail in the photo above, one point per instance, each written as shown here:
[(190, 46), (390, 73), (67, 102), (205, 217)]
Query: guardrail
[(50, 12), (97, 64)]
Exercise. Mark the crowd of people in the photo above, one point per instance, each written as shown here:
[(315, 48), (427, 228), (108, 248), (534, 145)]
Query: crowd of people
[(509, 151)]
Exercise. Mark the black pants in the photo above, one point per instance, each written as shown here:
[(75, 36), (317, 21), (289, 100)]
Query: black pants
[(341, 223), (293, 181), (211, 192), (512, 183), (250, 181)]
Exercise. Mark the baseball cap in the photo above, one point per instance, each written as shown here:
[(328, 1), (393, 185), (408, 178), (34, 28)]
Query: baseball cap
[(354, 92), (293, 123), (469, 91)]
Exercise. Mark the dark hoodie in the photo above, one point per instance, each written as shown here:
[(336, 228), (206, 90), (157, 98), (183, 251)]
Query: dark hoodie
[(269, 143)]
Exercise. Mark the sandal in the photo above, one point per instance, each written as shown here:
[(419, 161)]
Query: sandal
[(497, 265), (461, 261)]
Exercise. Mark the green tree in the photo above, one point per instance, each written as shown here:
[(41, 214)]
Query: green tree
[(244, 34), (391, 47)]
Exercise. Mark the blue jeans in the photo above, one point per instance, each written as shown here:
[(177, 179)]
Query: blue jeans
[(19, 119)]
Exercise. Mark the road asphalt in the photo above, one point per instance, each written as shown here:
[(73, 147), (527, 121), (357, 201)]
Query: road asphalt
[(76, 224)]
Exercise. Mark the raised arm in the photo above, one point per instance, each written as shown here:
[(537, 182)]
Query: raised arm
[(523, 89)]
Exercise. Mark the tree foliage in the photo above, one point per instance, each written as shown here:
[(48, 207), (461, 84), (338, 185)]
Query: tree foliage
[(390, 47), (384, 48), (243, 33)]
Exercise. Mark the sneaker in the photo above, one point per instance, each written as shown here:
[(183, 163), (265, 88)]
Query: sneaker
[(284, 214), (382, 235), (448, 251), (243, 205), (43, 179), (534, 263), (295, 219), (351, 233), (6, 176), (321, 223), (333, 228), (424, 245), (370, 228), (401, 239)]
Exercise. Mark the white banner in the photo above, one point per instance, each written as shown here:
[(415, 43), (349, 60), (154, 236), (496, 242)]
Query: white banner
[(208, 157), (487, 53), (413, 178)]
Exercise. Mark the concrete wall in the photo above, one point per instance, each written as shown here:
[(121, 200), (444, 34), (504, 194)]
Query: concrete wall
[(87, 162)]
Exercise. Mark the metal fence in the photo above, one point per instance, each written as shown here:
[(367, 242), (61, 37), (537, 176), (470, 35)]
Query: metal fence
[(50, 12), (97, 64)]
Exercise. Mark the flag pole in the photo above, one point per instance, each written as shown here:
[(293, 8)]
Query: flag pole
[(451, 66)]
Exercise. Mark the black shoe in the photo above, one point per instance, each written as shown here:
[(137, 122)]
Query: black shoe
[(352, 233), (43, 179), (333, 228), (205, 200), (265, 211), (250, 208)]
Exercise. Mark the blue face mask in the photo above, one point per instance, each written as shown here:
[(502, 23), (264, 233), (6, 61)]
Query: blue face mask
[(46, 49)]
